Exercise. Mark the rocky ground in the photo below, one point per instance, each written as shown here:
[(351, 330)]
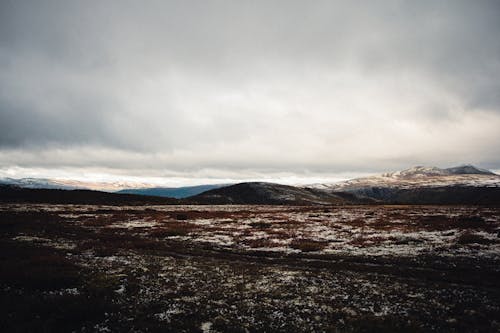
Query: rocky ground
[(249, 268)]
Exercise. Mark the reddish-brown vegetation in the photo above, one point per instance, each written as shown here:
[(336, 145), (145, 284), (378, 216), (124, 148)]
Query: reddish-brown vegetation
[(255, 268)]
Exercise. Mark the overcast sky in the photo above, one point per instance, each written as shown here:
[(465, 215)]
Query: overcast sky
[(247, 89)]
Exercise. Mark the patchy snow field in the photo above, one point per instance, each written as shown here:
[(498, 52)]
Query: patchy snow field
[(363, 230), (249, 268)]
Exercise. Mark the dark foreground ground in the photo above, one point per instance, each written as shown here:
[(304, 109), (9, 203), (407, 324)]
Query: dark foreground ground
[(96, 268)]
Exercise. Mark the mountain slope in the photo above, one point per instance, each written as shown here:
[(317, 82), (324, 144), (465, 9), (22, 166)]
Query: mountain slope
[(425, 185), (171, 192), (420, 177), (468, 170), (449, 195), (267, 193)]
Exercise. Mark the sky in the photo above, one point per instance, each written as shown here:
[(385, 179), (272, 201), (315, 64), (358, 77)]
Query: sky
[(187, 92)]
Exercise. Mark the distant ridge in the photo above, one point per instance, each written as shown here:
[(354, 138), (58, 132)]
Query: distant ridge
[(16, 194), (37, 183), (422, 171), (469, 170), (461, 185), (420, 176), (172, 192), (65, 184)]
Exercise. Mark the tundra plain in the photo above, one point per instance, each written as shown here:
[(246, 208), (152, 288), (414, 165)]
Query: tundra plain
[(249, 268)]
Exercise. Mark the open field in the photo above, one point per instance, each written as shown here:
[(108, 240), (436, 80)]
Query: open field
[(249, 268)]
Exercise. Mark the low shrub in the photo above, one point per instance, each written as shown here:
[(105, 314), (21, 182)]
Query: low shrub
[(261, 225), (173, 229), (307, 245), (471, 238)]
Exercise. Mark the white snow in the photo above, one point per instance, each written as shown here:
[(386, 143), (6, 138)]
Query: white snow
[(206, 327)]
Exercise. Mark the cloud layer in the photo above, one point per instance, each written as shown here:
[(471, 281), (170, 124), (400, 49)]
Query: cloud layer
[(239, 87)]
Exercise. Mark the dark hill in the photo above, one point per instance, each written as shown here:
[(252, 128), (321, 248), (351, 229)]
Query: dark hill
[(15, 194), (439, 195), (267, 193)]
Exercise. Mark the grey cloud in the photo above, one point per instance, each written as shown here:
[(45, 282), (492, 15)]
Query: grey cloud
[(291, 85)]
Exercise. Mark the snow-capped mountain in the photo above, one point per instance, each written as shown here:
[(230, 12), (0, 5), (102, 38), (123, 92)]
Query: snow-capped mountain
[(419, 185), (37, 183), (420, 176), (44, 183), (425, 185)]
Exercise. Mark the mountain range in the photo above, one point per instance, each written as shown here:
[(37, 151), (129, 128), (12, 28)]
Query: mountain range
[(172, 192), (425, 185), (68, 184), (466, 175), (118, 187), (464, 184)]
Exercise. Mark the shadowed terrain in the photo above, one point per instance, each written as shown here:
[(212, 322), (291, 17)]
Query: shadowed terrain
[(12, 194)]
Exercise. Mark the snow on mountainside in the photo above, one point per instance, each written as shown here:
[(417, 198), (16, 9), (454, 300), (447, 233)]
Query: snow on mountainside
[(418, 177), (37, 183), (63, 184)]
